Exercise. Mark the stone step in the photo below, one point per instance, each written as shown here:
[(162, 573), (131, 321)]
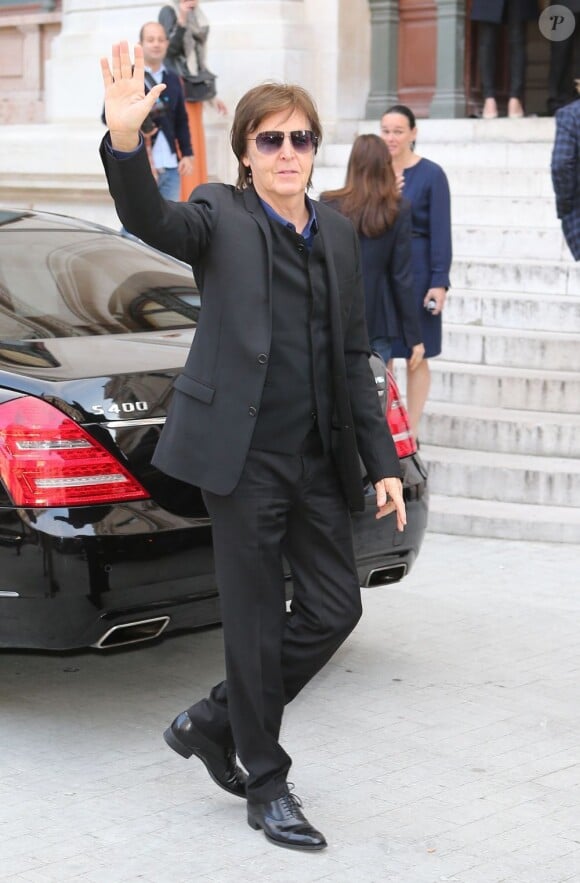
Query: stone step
[(507, 478), (530, 276), (533, 232), (67, 149), (496, 183), (522, 150), (528, 130), (499, 183), (466, 154), (493, 154), (510, 521), (504, 211), (473, 427), (511, 309), (510, 243), (476, 344), (490, 386)]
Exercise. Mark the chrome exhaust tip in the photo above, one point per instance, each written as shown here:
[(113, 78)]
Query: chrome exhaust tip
[(132, 632), (382, 576)]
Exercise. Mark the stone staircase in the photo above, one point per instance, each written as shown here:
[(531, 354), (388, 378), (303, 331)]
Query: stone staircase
[(501, 429)]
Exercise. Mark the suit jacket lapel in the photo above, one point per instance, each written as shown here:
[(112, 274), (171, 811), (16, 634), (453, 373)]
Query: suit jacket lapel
[(334, 307), (254, 207)]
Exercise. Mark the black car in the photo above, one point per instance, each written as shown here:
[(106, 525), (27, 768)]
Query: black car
[(98, 548)]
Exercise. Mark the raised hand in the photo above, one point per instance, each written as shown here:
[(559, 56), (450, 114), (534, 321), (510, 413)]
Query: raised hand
[(126, 104)]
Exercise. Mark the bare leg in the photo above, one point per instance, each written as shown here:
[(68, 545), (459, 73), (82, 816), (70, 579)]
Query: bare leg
[(418, 384)]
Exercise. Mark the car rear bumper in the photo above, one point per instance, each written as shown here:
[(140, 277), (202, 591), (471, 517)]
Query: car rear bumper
[(108, 575), (385, 555), (68, 576)]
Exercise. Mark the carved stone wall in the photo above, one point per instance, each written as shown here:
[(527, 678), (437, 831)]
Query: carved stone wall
[(25, 41)]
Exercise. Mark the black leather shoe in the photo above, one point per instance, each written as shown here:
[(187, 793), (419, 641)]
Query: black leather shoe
[(184, 737), (284, 824)]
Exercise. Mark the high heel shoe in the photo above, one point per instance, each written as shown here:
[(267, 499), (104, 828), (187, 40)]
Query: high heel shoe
[(515, 109), (489, 109)]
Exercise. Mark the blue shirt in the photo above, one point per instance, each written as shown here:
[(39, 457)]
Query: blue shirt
[(163, 156), (309, 231)]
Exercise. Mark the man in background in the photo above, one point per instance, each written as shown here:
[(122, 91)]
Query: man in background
[(564, 61), (166, 128), (566, 173)]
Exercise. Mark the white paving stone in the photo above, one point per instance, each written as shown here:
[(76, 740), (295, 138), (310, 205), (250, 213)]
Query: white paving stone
[(440, 743)]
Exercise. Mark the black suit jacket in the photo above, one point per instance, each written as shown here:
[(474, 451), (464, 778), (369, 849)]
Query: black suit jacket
[(223, 233)]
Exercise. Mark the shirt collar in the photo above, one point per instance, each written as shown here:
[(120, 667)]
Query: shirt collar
[(158, 73), (311, 226)]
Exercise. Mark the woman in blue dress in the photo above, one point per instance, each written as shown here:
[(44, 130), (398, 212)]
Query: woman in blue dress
[(426, 187)]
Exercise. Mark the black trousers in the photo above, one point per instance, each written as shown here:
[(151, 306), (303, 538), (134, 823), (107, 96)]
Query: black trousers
[(564, 69), (487, 49), (291, 506)]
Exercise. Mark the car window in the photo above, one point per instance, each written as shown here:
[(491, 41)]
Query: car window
[(69, 283)]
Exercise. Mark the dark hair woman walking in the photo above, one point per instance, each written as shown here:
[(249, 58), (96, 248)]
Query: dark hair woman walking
[(370, 198)]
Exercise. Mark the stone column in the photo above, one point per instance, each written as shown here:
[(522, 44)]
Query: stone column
[(384, 57), (74, 86), (449, 98)]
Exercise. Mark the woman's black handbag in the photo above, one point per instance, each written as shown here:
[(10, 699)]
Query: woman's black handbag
[(199, 87)]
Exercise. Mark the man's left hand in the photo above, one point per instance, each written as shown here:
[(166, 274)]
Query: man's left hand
[(390, 499)]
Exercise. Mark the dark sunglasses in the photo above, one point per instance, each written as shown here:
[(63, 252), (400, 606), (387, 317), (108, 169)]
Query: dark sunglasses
[(302, 140)]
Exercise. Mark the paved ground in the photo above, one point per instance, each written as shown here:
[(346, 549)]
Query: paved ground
[(442, 743)]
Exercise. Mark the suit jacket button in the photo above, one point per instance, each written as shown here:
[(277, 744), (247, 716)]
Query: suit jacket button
[(252, 411), (262, 358)]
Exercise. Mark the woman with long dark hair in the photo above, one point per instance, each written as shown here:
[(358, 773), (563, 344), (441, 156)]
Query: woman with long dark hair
[(370, 198)]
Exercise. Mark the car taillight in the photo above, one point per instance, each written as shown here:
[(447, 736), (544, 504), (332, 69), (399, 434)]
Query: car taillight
[(398, 420), (46, 459)]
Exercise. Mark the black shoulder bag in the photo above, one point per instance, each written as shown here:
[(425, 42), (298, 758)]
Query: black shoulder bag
[(153, 120), (201, 86)]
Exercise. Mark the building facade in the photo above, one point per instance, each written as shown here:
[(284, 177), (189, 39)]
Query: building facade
[(357, 56)]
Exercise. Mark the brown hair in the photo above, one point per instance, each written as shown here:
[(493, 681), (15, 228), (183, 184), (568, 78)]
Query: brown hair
[(370, 196), (260, 102)]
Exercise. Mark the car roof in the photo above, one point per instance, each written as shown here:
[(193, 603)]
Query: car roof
[(33, 220)]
